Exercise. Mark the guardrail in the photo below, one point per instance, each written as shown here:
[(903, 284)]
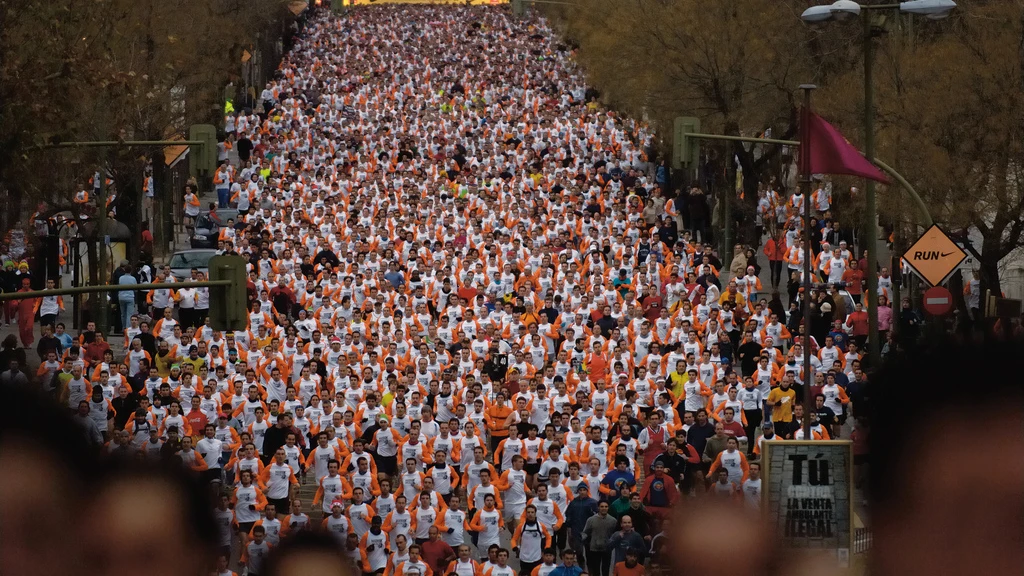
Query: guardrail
[(862, 539)]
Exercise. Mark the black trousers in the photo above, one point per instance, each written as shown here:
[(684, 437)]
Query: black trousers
[(495, 440), (558, 539), (599, 562), (187, 317), (753, 423), (776, 268), (283, 505), (700, 228), (526, 568)]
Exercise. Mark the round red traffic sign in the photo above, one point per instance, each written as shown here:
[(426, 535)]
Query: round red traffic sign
[(938, 301)]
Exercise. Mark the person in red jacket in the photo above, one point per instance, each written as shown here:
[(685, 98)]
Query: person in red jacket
[(26, 315), (775, 249), (858, 320), (659, 493)]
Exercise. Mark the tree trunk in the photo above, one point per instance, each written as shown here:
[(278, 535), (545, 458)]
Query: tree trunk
[(128, 180), (94, 298), (160, 191), (988, 260), (747, 206)]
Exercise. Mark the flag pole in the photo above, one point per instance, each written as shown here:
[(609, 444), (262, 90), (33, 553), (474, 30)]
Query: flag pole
[(805, 184)]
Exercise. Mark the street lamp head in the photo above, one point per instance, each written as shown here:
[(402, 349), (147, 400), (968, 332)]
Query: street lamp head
[(843, 9), (817, 14), (933, 9)]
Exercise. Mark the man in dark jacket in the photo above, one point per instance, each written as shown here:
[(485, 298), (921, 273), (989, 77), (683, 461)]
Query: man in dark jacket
[(496, 365), (276, 435), (48, 343), (698, 434), (576, 514), (627, 539), (124, 406), (147, 339), (749, 353)]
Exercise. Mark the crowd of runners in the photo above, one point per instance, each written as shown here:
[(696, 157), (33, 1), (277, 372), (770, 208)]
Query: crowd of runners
[(469, 330)]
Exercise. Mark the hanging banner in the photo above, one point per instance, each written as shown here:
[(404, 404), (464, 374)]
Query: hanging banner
[(808, 494)]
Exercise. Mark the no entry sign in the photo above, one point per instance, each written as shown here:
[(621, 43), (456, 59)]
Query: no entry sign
[(938, 301)]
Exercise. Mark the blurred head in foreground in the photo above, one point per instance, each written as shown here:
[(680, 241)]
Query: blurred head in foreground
[(45, 467), (307, 553), (149, 518), (947, 461)]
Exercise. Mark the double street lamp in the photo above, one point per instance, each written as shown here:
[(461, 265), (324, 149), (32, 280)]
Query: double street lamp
[(841, 10), (933, 9)]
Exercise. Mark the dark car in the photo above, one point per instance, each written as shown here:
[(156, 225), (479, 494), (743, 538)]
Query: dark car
[(207, 229)]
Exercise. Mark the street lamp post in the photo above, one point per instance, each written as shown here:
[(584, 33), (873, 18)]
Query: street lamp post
[(839, 10)]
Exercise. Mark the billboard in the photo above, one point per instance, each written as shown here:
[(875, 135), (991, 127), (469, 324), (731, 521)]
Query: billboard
[(808, 494)]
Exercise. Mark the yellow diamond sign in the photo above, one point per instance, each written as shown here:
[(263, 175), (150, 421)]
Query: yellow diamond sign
[(934, 256)]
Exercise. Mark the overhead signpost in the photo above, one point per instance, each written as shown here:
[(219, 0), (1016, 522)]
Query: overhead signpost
[(934, 256), (228, 298)]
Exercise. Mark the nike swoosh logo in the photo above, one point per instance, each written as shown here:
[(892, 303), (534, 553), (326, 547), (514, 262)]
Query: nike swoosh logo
[(946, 254)]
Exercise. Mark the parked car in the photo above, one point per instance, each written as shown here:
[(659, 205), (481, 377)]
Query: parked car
[(183, 261), (207, 229)]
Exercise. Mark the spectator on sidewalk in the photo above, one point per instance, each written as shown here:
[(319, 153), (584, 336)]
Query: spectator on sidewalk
[(126, 298), (13, 376)]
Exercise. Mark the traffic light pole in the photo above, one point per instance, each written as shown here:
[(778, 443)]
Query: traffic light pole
[(228, 306), (100, 308), (101, 143)]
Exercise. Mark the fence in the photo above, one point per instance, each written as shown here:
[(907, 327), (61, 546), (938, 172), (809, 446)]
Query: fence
[(862, 539)]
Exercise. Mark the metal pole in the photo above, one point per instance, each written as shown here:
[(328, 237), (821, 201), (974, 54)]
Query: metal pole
[(102, 143), (926, 215), (726, 214), (805, 184), (100, 307), (870, 208), (76, 281), (112, 288), (703, 136)]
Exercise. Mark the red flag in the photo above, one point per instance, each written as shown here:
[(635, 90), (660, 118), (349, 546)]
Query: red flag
[(831, 153)]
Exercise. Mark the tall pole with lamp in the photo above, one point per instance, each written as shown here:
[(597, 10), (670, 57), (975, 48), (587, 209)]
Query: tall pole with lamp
[(839, 10), (805, 188)]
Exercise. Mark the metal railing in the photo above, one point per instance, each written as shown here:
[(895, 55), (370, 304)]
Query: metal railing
[(112, 288), (862, 538)]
